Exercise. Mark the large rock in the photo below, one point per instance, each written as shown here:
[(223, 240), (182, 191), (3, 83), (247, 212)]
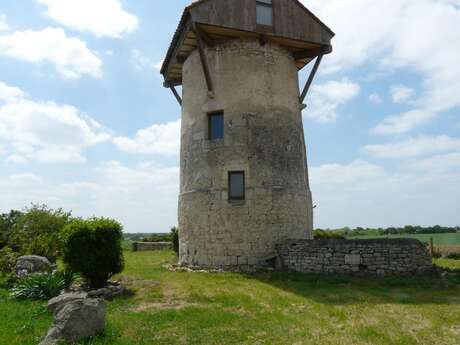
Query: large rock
[(32, 264), (77, 320), (56, 303)]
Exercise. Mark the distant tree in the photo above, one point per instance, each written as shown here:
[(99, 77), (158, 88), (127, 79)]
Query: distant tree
[(7, 223), (175, 239), (36, 231)]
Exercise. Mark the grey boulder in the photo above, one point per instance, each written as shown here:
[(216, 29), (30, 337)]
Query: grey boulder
[(77, 320), (28, 264), (56, 303)]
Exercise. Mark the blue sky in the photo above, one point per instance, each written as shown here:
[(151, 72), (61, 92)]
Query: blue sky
[(85, 123)]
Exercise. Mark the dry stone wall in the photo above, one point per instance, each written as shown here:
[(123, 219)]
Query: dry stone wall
[(151, 246), (373, 257)]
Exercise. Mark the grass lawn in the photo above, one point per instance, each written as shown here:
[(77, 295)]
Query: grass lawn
[(439, 239), (267, 308)]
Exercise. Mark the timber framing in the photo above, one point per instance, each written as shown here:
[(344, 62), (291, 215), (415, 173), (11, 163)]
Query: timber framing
[(207, 23), (176, 94), (310, 79)]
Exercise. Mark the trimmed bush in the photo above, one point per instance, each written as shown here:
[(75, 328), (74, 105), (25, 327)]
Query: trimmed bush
[(41, 286), (93, 249)]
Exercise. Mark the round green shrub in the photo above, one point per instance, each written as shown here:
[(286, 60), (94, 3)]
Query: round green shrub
[(93, 249)]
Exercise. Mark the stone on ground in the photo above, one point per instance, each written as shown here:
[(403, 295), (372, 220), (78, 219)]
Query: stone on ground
[(56, 303), (77, 320), (29, 264)]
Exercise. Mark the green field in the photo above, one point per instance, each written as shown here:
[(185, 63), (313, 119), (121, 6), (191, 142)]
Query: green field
[(439, 239), (267, 308)]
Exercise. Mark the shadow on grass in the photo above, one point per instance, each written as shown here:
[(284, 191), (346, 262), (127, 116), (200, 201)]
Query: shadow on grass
[(442, 287)]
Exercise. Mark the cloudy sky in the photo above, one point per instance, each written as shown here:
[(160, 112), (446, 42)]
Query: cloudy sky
[(86, 125)]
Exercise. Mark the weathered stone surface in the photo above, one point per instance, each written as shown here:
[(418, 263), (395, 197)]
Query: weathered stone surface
[(77, 320), (112, 290), (151, 246), (257, 88), (58, 302), (375, 257), (32, 264)]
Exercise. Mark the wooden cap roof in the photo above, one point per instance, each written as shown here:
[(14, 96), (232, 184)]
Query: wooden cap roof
[(217, 21)]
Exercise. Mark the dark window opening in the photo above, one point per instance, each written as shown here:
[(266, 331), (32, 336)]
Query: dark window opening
[(264, 10), (236, 185), (216, 126)]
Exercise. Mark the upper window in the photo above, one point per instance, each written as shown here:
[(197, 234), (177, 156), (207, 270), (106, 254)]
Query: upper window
[(264, 9), (216, 126), (236, 185)]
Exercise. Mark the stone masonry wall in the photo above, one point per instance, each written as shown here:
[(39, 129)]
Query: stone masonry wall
[(151, 246), (256, 86), (374, 257)]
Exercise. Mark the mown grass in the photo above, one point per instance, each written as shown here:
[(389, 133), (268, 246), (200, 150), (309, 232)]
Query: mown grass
[(267, 308)]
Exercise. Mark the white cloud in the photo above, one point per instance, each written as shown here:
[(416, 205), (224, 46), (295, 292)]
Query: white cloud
[(398, 124), (414, 147), (143, 198), (101, 17), (157, 139), (141, 62), (324, 99), (416, 35), (401, 93), (436, 164), (10, 93), (365, 194), (3, 24), (375, 98), (46, 131), (70, 56)]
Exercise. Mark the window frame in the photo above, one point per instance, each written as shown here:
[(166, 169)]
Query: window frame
[(239, 198), (210, 124), (265, 27)]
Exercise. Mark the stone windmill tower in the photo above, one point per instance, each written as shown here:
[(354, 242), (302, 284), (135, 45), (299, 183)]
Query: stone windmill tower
[(244, 178)]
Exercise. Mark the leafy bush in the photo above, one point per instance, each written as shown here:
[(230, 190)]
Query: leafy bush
[(93, 249), (175, 239), (453, 256), (37, 231), (328, 234), (8, 260), (7, 224), (42, 286)]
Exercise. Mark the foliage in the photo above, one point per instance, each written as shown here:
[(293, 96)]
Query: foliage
[(8, 260), (175, 239), (37, 230), (406, 230), (7, 223), (327, 234), (93, 249), (158, 238), (42, 286)]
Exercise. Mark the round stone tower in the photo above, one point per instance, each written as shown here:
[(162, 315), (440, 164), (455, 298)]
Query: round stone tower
[(244, 177)]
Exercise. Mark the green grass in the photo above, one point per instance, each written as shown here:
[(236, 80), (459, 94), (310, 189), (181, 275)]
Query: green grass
[(267, 308), (439, 239)]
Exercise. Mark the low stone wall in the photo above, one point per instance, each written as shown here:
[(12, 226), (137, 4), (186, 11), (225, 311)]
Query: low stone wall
[(372, 257), (151, 246)]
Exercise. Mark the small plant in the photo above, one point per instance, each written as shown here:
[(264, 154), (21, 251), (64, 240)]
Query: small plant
[(93, 249), (42, 286), (175, 239)]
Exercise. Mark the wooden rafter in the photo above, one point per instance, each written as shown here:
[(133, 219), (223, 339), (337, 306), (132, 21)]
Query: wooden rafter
[(176, 94), (204, 61), (310, 79)]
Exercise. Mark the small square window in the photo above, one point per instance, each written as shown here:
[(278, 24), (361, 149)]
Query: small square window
[(236, 185), (264, 11), (216, 126)]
